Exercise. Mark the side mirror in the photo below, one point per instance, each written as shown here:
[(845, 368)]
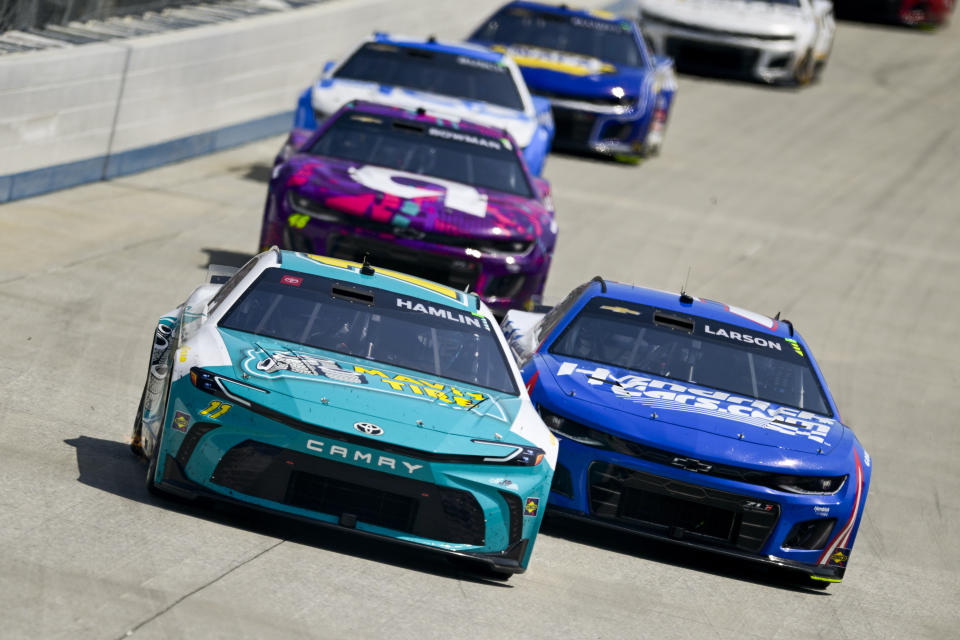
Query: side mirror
[(328, 66), (543, 187)]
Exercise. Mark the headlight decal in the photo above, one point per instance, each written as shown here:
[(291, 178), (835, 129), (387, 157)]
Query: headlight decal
[(840, 543)]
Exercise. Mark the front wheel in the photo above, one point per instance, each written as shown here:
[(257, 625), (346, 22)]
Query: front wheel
[(804, 71)]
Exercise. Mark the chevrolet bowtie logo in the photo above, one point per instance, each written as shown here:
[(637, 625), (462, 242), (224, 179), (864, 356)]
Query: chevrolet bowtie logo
[(691, 464)]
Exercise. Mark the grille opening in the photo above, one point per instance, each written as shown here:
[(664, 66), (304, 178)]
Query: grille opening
[(562, 482), (336, 497), (668, 511), (673, 322), (352, 295), (811, 534), (515, 506)]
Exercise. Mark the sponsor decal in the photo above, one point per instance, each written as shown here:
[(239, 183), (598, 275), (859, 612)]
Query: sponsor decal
[(822, 511), (359, 456), (468, 138), (182, 355), (368, 428), (531, 507), (839, 558), (575, 65), (308, 367), (746, 338), (504, 482), (441, 312), (481, 64), (293, 281), (597, 24), (679, 397), (181, 421)]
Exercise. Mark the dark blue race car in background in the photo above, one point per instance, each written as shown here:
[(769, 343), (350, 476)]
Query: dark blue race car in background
[(609, 93), (695, 422)]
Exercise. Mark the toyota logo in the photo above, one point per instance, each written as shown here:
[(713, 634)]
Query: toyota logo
[(368, 428)]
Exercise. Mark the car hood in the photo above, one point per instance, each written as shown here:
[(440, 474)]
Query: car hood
[(699, 409), (415, 202), (751, 17), (329, 95), (337, 391)]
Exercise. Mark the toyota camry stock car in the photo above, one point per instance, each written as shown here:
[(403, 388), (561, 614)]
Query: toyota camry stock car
[(774, 41), (457, 80), (695, 422), (349, 396), (610, 95), (443, 199)]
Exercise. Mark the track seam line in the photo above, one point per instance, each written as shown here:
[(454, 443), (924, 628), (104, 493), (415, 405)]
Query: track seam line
[(135, 628)]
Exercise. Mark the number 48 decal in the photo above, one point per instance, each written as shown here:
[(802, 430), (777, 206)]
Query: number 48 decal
[(216, 409)]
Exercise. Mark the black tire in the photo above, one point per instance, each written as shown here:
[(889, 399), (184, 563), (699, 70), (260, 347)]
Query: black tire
[(804, 71), (136, 436), (152, 467)]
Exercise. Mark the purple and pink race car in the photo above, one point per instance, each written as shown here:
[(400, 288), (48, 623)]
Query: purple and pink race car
[(445, 200)]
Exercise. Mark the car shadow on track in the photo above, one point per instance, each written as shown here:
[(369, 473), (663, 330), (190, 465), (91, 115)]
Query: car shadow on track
[(665, 553), (226, 258), (110, 466)]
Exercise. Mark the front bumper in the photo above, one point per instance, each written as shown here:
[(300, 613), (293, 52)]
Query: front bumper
[(605, 129), (504, 280), (695, 50), (297, 470), (685, 507)]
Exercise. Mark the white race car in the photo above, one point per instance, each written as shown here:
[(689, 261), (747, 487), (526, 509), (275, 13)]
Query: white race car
[(776, 41), (449, 80)]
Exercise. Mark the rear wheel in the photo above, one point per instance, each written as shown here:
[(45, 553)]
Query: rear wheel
[(136, 437), (150, 481)]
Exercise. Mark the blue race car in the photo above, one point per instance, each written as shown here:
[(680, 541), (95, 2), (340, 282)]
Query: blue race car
[(349, 396), (453, 81), (695, 422), (610, 94)]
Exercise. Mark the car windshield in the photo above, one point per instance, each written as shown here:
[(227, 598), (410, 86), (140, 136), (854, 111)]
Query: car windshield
[(373, 324), (439, 72), (691, 349), (425, 149), (604, 40)]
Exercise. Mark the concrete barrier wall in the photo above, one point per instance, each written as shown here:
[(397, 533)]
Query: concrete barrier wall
[(98, 111)]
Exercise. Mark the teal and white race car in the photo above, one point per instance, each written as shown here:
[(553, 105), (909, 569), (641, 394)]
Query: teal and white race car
[(349, 396)]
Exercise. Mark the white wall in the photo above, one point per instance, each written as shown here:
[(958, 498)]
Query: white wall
[(61, 106)]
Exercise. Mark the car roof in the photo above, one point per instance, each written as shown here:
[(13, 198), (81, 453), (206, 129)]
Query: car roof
[(431, 44), (567, 10), (701, 307), (394, 281), (380, 109)]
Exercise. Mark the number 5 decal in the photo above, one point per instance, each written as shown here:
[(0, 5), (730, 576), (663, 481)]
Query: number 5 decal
[(216, 409)]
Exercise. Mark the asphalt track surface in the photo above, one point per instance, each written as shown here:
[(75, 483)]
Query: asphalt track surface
[(837, 205)]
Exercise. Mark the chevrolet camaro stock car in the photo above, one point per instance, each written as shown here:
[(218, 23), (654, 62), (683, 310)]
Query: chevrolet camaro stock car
[(349, 396), (775, 41), (610, 94), (446, 200), (454, 80), (695, 422)]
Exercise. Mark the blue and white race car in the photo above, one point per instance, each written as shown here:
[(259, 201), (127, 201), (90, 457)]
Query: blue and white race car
[(695, 422), (610, 94), (453, 81), (349, 396)]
